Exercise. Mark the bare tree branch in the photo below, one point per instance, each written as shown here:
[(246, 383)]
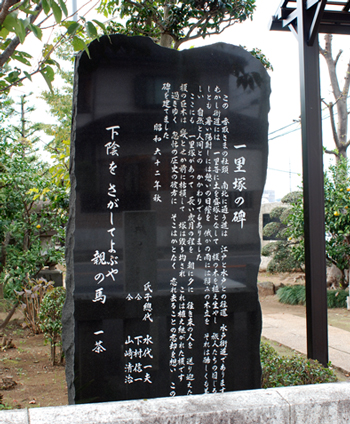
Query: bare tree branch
[(337, 57), (334, 130), (332, 152), (327, 54), (347, 82), (340, 128)]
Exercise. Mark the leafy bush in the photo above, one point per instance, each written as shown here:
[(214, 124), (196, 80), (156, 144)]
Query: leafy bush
[(295, 295), (50, 316), (296, 370)]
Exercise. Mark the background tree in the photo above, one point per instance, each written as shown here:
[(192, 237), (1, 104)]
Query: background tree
[(168, 23), (340, 94), (336, 181), (31, 208), (172, 23), (144, 18), (19, 19), (337, 220), (59, 101)]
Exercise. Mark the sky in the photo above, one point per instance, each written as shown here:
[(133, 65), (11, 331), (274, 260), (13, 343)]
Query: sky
[(281, 49)]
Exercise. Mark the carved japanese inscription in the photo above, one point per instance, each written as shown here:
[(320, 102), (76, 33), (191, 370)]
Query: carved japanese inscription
[(169, 158)]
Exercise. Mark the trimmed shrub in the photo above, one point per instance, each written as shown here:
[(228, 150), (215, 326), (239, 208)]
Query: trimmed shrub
[(282, 258), (296, 370)]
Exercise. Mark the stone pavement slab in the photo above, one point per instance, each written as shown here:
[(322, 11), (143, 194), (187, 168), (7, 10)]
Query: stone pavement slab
[(290, 330)]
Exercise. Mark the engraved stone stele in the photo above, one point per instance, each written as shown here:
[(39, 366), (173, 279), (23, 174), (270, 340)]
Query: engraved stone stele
[(169, 156)]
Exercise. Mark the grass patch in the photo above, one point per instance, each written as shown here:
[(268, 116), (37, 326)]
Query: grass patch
[(295, 295), (292, 295), (278, 371), (337, 298)]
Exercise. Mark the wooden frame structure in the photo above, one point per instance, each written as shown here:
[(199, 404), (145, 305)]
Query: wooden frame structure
[(306, 19)]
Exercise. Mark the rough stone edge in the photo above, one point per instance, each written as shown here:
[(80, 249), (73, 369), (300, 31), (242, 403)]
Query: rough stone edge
[(68, 308), (321, 403)]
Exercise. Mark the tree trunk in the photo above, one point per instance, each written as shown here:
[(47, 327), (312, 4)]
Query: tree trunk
[(165, 39)]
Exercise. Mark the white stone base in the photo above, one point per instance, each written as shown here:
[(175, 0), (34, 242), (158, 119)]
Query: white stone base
[(321, 403)]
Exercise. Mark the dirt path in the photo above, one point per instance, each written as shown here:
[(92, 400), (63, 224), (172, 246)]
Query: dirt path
[(27, 377), (337, 317)]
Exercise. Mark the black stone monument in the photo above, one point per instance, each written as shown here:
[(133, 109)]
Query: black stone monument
[(169, 156)]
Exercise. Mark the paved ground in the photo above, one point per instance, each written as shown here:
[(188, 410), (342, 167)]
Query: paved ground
[(290, 330)]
